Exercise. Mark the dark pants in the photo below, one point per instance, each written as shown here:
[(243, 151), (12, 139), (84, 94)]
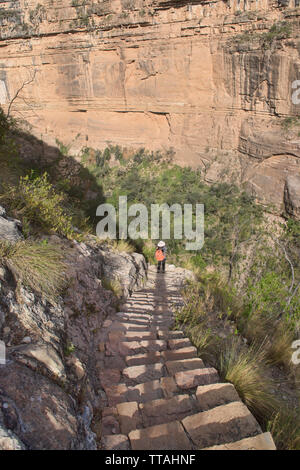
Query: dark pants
[(161, 264)]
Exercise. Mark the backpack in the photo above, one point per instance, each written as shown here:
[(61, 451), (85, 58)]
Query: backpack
[(159, 255)]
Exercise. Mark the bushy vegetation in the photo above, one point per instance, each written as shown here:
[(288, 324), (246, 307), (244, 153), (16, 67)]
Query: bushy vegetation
[(37, 203), (278, 31), (144, 177), (37, 191)]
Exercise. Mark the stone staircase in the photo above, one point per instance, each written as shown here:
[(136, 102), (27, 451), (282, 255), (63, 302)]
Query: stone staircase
[(160, 395)]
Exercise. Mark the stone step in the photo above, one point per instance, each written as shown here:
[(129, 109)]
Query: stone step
[(146, 391), (145, 373), (135, 320), (117, 335), (185, 359), (182, 353), (223, 424), (210, 396), (133, 316), (260, 442), (141, 359), (116, 393), (170, 436), (184, 364), (136, 335), (163, 411), (179, 343), (132, 326), (129, 416), (165, 387), (126, 326), (167, 334), (115, 442), (193, 378), (129, 348)]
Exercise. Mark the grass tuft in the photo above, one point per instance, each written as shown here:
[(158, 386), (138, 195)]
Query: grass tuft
[(285, 429), (39, 265), (244, 368)]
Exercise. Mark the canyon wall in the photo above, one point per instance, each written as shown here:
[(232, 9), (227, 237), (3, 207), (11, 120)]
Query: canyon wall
[(210, 79)]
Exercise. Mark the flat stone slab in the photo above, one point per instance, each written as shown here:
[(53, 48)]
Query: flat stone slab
[(167, 410), (124, 326), (169, 387), (116, 394), (115, 442), (144, 373), (128, 348), (132, 315), (223, 424), (147, 391), (261, 442), (167, 334), (116, 347), (135, 319), (169, 436), (182, 353), (184, 364), (179, 343), (193, 378), (210, 396), (154, 345), (129, 416), (139, 335), (141, 359)]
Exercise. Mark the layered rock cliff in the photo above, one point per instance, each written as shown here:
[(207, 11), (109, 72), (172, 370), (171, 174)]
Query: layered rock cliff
[(210, 79)]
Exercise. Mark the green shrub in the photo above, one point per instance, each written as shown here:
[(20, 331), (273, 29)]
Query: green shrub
[(279, 30), (36, 200), (69, 349)]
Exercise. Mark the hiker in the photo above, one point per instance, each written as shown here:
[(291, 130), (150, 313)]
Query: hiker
[(160, 255)]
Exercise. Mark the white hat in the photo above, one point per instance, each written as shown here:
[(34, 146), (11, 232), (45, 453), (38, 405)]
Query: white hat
[(161, 243)]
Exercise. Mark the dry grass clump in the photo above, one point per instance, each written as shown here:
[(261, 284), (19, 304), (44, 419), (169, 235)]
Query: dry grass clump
[(285, 429), (245, 369), (38, 265), (113, 285)]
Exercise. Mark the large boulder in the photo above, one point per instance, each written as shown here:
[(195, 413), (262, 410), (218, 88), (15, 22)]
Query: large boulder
[(130, 269), (10, 229), (292, 196)]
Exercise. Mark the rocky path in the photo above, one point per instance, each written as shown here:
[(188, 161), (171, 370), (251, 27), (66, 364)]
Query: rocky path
[(160, 394)]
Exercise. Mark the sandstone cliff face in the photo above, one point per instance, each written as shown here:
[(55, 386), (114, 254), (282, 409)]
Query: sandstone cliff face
[(211, 79), (50, 390)]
